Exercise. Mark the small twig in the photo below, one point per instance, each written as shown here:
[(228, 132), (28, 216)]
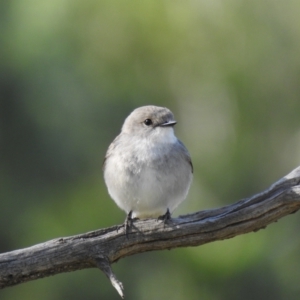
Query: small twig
[(104, 265)]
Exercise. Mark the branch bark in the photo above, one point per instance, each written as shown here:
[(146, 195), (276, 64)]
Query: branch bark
[(103, 247)]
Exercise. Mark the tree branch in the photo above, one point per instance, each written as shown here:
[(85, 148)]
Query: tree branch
[(103, 247)]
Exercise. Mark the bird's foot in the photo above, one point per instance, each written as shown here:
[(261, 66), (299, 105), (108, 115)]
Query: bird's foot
[(166, 217), (128, 222)]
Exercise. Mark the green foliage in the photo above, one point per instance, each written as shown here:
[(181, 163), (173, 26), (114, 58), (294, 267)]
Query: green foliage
[(71, 71)]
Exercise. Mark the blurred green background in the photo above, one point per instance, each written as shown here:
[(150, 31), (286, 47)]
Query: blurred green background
[(70, 73)]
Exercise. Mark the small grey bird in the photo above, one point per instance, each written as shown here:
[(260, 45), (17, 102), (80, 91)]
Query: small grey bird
[(147, 170)]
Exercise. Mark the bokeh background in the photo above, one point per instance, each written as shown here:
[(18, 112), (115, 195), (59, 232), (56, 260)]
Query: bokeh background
[(71, 71)]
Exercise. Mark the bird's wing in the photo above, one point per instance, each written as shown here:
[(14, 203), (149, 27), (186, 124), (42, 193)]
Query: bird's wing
[(110, 149), (187, 155)]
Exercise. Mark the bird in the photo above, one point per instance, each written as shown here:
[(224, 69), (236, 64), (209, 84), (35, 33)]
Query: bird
[(147, 169)]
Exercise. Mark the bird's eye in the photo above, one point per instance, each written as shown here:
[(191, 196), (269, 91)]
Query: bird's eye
[(148, 122)]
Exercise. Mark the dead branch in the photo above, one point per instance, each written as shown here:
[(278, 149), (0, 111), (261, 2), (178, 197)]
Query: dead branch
[(103, 247)]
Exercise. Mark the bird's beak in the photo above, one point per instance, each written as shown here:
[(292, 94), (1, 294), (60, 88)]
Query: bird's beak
[(168, 123)]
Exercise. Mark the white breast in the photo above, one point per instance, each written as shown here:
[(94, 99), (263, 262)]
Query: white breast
[(144, 176)]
